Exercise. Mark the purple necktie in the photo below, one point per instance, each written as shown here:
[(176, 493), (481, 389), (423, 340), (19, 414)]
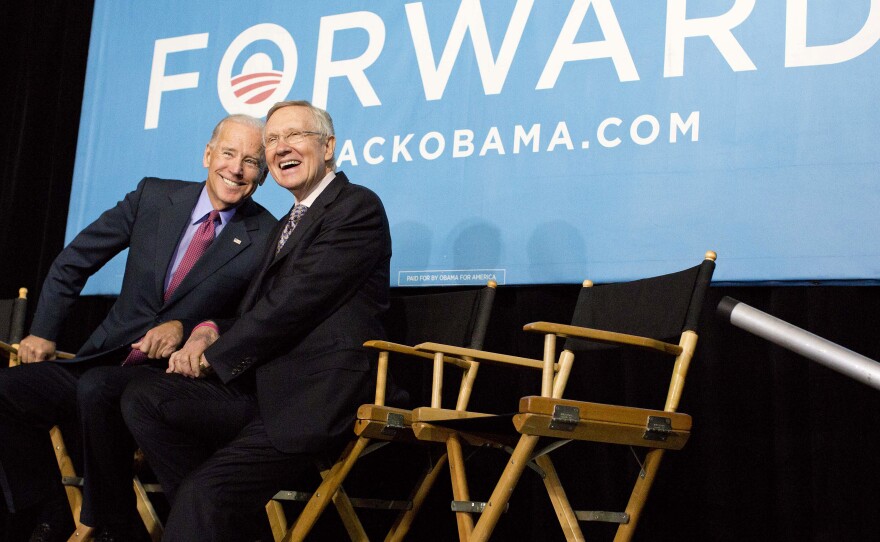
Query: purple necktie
[(200, 242)]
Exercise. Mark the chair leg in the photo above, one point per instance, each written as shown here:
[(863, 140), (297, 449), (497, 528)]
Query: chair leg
[(460, 491), (326, 491), (82, 533), (147, 512), (65, 466), (277, 519), (423, 486), (503, 490), (639, 495), (567, 519), (349, 517)]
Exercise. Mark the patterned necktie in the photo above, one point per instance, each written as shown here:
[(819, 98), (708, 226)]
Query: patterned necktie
[(295, 215), (201, 240)]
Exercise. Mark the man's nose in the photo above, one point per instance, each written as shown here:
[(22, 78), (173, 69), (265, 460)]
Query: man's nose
[(282, 147)]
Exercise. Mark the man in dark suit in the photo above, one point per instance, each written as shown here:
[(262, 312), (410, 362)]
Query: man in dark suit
[(291, 367), (167, 288)]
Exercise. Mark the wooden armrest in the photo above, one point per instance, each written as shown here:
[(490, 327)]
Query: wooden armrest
[(601, 336), (480, 355), (600, 422), (428, 414), (381, 412), (411, 351), (13, 349)]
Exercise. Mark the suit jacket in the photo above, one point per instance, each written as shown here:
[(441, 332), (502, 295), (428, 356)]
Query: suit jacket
[(149, 222), (306, 316)]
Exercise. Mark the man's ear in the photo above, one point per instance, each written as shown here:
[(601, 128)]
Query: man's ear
[(263, 176), (206, 159), (330, 148)]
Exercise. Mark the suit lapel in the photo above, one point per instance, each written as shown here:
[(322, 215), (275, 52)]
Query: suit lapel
[(176, 217), (313, 215), (308, 220), (232, 240), (254, 290)]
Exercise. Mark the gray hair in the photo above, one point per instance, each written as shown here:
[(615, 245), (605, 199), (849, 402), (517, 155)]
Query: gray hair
[(323, 122), (244, 120)]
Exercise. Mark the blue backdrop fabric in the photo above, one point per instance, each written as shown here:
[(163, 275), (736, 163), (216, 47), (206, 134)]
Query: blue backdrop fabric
[(529, 141)]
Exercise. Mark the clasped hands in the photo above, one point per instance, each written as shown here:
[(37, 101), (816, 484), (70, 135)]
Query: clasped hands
[(190, 360), (162, 341)]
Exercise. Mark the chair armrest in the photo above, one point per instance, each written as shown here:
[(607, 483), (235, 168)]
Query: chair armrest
[(480, 355), (13, 349), (606, 337), (412, 351)]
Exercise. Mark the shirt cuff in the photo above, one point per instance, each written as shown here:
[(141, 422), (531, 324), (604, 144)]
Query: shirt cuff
[(208, 323)]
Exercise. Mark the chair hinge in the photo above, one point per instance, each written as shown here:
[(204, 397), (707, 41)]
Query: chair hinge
[(658, 428), (565, 418), (607, 517), (472, 507), (393, 423), (76, 481)]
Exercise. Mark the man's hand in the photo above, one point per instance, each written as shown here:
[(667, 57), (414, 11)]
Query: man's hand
[(161, 341), (190, 360), (32, 349)]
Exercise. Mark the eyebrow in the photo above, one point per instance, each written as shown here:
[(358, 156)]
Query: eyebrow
[(246, 155)]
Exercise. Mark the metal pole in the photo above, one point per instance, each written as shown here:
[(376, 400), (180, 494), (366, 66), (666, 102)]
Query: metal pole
[(793, 338)]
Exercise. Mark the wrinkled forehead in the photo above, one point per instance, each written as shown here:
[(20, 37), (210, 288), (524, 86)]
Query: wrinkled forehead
[(233, 133)]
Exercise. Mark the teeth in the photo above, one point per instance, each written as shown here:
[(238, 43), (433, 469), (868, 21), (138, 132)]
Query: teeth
[(289, 163), (229, 183)]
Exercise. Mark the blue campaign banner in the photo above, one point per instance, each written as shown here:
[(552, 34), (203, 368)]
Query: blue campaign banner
[(529, 141)]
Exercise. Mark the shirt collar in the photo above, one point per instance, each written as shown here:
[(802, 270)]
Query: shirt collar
[(310, 199), (203, 207)]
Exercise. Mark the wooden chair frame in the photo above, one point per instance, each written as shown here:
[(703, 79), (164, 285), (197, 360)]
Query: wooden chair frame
[(551, 416), (72, 482), (377, 425)]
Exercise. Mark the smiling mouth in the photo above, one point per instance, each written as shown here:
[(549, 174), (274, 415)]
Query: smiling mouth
[(231, 184), (288, 164)]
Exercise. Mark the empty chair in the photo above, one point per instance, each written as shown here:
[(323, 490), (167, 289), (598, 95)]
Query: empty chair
[(658, 315)]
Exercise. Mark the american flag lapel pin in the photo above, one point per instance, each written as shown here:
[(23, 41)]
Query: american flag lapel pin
[(237, 241)]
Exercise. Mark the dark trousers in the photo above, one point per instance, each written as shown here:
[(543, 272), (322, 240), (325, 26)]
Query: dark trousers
[(37, 396), (33, 398), (108, 447), (208, 446)]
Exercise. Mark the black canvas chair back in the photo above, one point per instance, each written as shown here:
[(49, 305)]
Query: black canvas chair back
[(12, 315), (660, 307), (453, 317), (457, 317)]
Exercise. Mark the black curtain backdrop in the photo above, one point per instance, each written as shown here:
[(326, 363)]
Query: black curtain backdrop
[(782, 448)]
